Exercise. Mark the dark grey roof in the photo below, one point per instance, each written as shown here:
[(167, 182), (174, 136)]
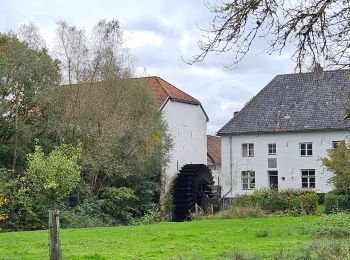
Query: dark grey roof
[(296, 102)]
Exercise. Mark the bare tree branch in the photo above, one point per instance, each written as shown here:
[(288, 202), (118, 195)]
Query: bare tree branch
[(317, 30)]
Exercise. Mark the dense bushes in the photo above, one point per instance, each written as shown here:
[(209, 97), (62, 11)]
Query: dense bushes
[(119, 203), (86, 214), (266, 201), (334, 203), (288, 201)]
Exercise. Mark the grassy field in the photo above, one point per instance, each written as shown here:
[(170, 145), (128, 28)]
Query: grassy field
[(204, 239)]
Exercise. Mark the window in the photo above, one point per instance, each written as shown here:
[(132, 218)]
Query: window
[(272, 149), (248, 180), (336, 144), (271, 162), (247, 150), (305, 149), (308, 179)]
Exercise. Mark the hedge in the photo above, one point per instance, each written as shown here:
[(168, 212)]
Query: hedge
[(334, 203), (291, 201)]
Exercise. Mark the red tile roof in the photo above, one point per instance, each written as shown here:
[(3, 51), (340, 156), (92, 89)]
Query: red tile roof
[(214, 149), (164, 90)]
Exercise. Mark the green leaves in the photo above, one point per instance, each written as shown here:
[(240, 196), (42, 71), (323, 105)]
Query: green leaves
[(120, 203), (228, 6), (55, 175), (26, 75), (338, 161)]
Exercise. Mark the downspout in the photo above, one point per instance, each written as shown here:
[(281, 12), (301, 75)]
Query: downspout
[(231, 171)]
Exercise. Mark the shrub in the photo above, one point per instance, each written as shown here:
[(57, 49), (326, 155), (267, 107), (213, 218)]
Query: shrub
[(241, 201), (289, 201), (151, 216), (330, 203), (302, 202), (21, 211), (87, 214), (119, 203), (321, 197), (270, 200), (334, 203)]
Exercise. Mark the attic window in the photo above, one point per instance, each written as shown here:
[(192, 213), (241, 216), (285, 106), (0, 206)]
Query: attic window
[(305, 149), (336, 144), (248, 150)]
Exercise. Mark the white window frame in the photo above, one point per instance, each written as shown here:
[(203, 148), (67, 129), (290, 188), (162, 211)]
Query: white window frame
[(308, 177), (272, 150), (248, 150), (248, 180), (306, 149)]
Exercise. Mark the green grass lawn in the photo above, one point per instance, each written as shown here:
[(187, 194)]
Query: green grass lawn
[(203, 239)]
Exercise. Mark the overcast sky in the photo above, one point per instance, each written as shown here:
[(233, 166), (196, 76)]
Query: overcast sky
[(160, 34)]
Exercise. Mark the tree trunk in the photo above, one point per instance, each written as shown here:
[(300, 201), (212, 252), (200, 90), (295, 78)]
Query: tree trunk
[(54, 233)]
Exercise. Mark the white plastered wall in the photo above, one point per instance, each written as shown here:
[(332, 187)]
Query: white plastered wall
[(289, 161), (187, 125)]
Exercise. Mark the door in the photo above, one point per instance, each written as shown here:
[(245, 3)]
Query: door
[(273, 179)]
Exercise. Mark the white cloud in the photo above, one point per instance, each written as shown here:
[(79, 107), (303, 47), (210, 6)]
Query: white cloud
[(138, 39)]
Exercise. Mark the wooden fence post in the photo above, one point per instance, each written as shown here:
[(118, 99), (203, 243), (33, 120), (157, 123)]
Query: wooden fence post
[(212, 209), (54, 233)]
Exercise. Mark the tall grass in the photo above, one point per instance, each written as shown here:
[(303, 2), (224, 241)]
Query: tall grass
[(240, 212)]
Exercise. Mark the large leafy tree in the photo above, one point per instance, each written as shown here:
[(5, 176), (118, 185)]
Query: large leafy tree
[(124, 137), (125, 143), (26, 72), (315, 31)]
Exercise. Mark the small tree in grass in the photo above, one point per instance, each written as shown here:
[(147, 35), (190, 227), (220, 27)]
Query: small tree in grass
[(51, 178), (338, 162)]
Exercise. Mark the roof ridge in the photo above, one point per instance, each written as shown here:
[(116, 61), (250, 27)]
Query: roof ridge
[(159, 78), (160, 84), (311, 72), (144, 77)]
